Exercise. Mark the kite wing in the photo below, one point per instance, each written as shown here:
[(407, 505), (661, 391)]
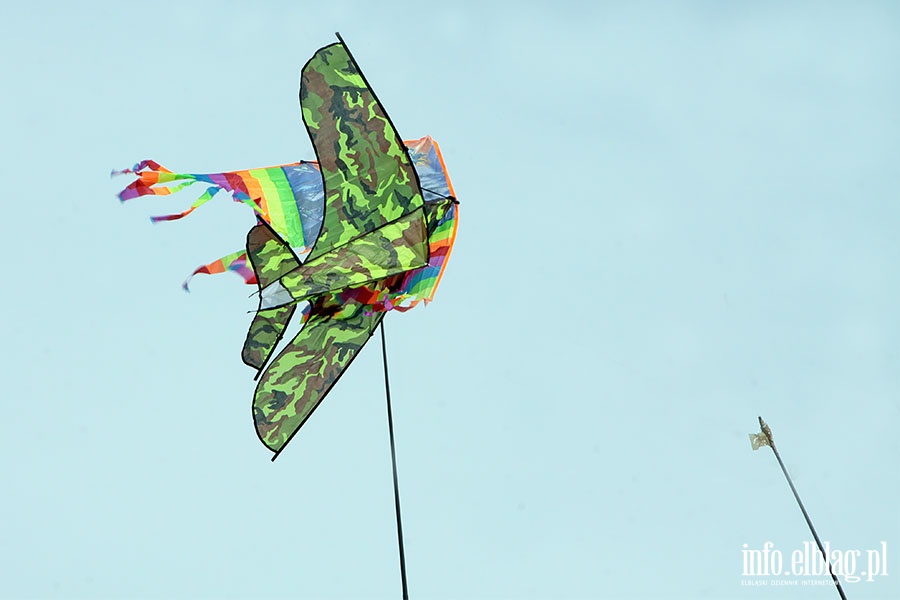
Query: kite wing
[(374, 227), (305, 371), (265, 249), (368, 175)]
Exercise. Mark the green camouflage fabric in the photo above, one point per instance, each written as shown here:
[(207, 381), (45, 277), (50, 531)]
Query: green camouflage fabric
[(269, 254), (435, 211), (394, 248), (265, 332), (271, 258), (369, 179), (374, 230), (305, 371), (302, 374)]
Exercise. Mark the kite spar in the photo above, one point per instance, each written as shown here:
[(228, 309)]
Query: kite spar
[(387, 394), (764, 438)]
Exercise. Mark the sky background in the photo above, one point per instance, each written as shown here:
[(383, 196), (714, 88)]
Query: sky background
[(676, 216)]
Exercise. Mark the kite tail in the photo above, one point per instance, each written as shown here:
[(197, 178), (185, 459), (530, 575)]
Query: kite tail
[(203, 199), (236, 261), (144, 164), (151, 180)]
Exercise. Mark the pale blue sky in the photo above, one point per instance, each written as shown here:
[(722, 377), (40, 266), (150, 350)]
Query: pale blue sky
[(675, 216)]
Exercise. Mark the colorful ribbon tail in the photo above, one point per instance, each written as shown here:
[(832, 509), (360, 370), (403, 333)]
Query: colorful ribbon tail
[(140, 187), (148, 164), (236, 262), (203, 199)]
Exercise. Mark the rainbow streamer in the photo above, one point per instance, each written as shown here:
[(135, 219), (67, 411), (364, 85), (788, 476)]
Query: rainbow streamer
[(291, 199)]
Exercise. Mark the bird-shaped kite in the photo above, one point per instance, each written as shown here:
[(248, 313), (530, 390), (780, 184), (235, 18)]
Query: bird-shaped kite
[(374, 218)]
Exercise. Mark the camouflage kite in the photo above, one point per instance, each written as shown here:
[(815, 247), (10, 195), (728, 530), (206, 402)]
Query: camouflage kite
[(374, 217)]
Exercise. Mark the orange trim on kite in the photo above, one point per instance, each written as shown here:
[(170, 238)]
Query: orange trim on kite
[(452, 239), (440, 275)]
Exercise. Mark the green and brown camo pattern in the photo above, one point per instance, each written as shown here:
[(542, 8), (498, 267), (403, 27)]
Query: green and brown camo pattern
[(368, 177), (394, 248), (269, 255), (270, 258), (374, 230), (304, 372), (435, 211), (264, 334)]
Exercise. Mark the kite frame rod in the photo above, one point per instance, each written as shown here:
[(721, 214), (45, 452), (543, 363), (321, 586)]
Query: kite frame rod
[(768, 433), (387, 393)]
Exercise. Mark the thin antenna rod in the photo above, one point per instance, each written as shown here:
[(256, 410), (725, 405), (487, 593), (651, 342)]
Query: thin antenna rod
[(387, 393), (768, 433)]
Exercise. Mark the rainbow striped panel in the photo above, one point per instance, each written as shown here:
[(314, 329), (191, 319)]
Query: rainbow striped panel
[(291, 199)]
